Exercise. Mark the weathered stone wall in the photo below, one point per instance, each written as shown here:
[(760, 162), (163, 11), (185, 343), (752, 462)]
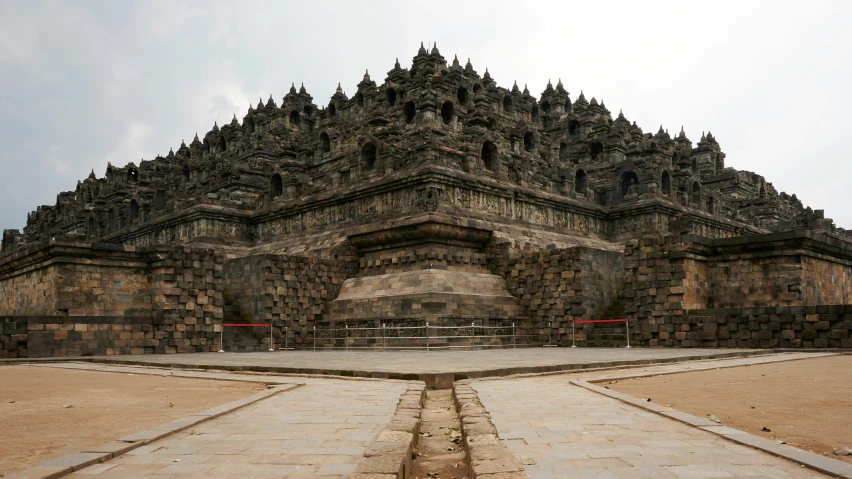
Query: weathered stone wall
[(30, 292), (55, 336), (824, 326), (827, 281), (560, 284), (103, 288), (285, 290)]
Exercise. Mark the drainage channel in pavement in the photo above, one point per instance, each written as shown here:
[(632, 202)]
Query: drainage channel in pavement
[(440, 450)]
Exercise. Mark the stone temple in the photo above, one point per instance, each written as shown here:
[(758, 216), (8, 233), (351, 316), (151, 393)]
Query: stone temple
[(437, 196)]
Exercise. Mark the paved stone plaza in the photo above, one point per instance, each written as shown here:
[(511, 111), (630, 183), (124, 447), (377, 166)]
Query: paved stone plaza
[(559, 430), (319, 429), (551, 425)]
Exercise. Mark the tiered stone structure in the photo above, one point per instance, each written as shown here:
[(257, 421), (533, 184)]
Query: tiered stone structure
[(437, 195)]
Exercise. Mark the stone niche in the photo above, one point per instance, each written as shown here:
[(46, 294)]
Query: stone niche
[(428, 271)]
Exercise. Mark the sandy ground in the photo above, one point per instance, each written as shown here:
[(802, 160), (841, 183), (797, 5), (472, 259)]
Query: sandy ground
[(806, 403), (38, 426)]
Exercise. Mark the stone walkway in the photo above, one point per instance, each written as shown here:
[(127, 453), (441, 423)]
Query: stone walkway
[(483, 362), (317, 430), (560, 430)]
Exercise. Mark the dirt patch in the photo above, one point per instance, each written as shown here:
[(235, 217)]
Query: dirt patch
[(807, 403), (39, 425)]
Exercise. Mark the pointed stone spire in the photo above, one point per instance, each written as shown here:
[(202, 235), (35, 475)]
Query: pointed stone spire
[(549, 86), (703, 138), (682, 133), (435, 49), (660, 132), (260, 104), (270, 103), (456, 61), (422, 50), (581, 97), (620, 115), (526, 90), (216, 125), (234, 121), (339, 90), (593, 102), (559, 86), (92, 175), (468, 66), (515, 88), (487, 75), (302, 88), (396, 64), (293, 88), (251, 108), (196, 137), (183, 144), (366, 75)]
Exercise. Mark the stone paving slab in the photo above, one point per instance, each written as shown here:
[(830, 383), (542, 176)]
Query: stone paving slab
[(436, 368), (557, 429), (316, 430)]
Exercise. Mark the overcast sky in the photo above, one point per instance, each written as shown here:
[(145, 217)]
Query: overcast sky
[(86, 83)]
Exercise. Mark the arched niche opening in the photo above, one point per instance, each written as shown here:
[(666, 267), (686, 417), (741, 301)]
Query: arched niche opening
[(111, 220), (308, 111), (696, 194), (186, 174), (160, 200), (529, 141), (534, 112), (325, 142), (492, 123), (628, 183), (489, 155), (675, 158), (507, 104), (410, 111), (390, 95), (563, 151), (461, 96), (581, 183), (250, 124), (596, 149), (711, 205), (666, 184), (132, 175), (477, 88), (368, 156), (359, 99), (221, 144), (447, 112), (332, 110), (573, 125), (134, 211), (295, 118), (413, 72), (545, 106), (91, 231), (277, 186)]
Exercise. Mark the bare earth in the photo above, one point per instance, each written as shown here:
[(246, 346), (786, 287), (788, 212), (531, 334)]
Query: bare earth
[(38, 426), (807, 403)]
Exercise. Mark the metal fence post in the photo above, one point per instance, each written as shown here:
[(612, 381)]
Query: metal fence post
[(427, 336), (286, 339), (549, 333), (315, 338), (573, 334), (271, 344), (627, 326), (221, 339), (513, 335), (383, 337), (346, 338), (472, 334)]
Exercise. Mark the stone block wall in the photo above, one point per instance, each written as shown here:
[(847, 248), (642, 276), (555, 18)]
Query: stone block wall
[(826, 282), (103, 288), (58, 336), (13, 337), (285, 290), (557, 284), (30, 292), (825, 326)]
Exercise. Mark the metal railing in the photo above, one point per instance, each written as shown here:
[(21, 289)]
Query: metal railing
[(426, 336)]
